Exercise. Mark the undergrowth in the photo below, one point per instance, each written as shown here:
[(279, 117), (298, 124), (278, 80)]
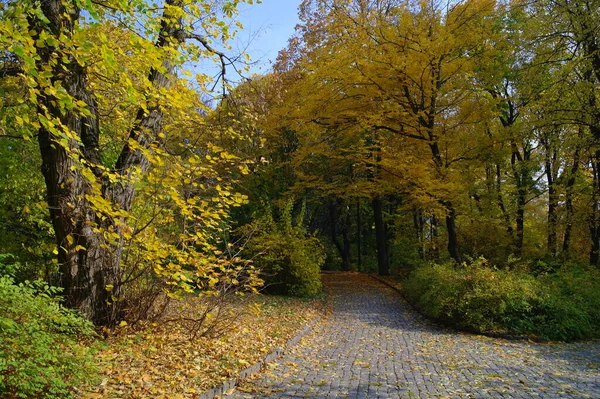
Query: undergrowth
[(563, 305), (41, 354)]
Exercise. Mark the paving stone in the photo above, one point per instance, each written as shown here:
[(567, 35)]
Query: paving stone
[(374, 345)]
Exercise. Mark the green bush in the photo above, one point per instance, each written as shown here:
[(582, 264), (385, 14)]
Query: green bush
[(289, 257), (40, 353), (571, 306), (477, 297)]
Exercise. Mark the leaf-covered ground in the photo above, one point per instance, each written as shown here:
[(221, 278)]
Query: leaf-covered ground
[(374, 345), (163, 361)]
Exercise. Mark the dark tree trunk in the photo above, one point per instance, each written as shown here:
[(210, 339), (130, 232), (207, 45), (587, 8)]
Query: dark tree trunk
[(451, 216), (358, 235), (569, 203), (344, 246), (383, 257), (434, 233), (89, 263), (552, 219), (591, 47), (500, 201), (522, 180), (346, 265), (550, 166), (595, 216), (418, 224), (520, 221), (452, 234)]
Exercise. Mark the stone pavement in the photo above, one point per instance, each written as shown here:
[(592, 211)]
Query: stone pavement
[(374, 346)]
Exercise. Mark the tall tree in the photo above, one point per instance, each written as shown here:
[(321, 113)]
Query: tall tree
[(62, 51)]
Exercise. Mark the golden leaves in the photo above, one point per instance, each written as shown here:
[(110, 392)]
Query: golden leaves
[(160, 361)]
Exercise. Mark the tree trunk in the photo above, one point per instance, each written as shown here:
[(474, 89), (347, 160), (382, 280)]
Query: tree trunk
[(89, 263), (418, 224), (569, 202), (522, 179), (550, 162), (358, 235), (344, 246), (452, 234), (500, 201), (520, 221), (346, 265), (451, 216), (383, 257), (595, 217)]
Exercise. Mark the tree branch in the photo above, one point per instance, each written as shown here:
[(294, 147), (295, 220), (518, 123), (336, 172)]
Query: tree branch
[(10, 71), (223, 58)]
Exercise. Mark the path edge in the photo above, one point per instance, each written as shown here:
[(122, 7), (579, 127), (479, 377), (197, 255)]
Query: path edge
[(489, 334), (260, 365)]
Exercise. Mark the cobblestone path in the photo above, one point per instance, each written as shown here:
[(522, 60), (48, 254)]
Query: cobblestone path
[(373, 345)]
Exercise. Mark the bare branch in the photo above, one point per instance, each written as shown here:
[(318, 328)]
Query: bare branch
[(10, 71), (225, 60)]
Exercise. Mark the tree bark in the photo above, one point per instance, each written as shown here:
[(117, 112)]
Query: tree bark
[(569, 203), (594, 219), (452, 234), (346, 265), (90, 264), (418, 224), (549, 165), (383, 257), (500, 201), (344, 246), (453, 249), (521, 175), (359, 244)]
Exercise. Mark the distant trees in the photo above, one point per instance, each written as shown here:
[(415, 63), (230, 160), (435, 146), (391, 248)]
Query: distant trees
[(401, 126), (476, 113)]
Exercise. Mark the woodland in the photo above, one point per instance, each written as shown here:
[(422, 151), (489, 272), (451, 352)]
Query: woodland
[(452, 144)]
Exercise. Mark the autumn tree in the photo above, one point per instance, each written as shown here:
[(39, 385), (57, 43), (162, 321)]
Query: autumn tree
[(100, 78)]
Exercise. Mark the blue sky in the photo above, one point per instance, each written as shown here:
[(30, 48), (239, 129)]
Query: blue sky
[(267, 27)]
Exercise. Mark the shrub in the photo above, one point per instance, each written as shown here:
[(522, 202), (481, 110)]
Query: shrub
[(477, 297), (571, 306), (474, 297), (289, 257), (40, 355)]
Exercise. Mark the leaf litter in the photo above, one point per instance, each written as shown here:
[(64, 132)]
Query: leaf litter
[(160, 360)]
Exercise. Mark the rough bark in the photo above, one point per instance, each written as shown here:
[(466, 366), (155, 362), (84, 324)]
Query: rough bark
[(344, 246), (521, 175), (500, 202), (569, 188), (383, 257), (453, 249), (418, 224), (358, 234), (550, 170), (594, 222), (89, 264)]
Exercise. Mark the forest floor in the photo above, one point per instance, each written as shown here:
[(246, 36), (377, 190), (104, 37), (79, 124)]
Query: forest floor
[(163, 360), (373, 345)]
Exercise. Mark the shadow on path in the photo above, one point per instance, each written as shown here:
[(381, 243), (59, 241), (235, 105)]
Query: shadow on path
[(374, 345)]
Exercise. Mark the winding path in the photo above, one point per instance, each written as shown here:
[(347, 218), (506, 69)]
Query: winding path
[(374, 346)]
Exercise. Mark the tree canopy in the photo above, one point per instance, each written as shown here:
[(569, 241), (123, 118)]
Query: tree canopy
[(387, 131)]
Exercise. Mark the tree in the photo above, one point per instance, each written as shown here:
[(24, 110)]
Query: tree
[(93, 166)]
